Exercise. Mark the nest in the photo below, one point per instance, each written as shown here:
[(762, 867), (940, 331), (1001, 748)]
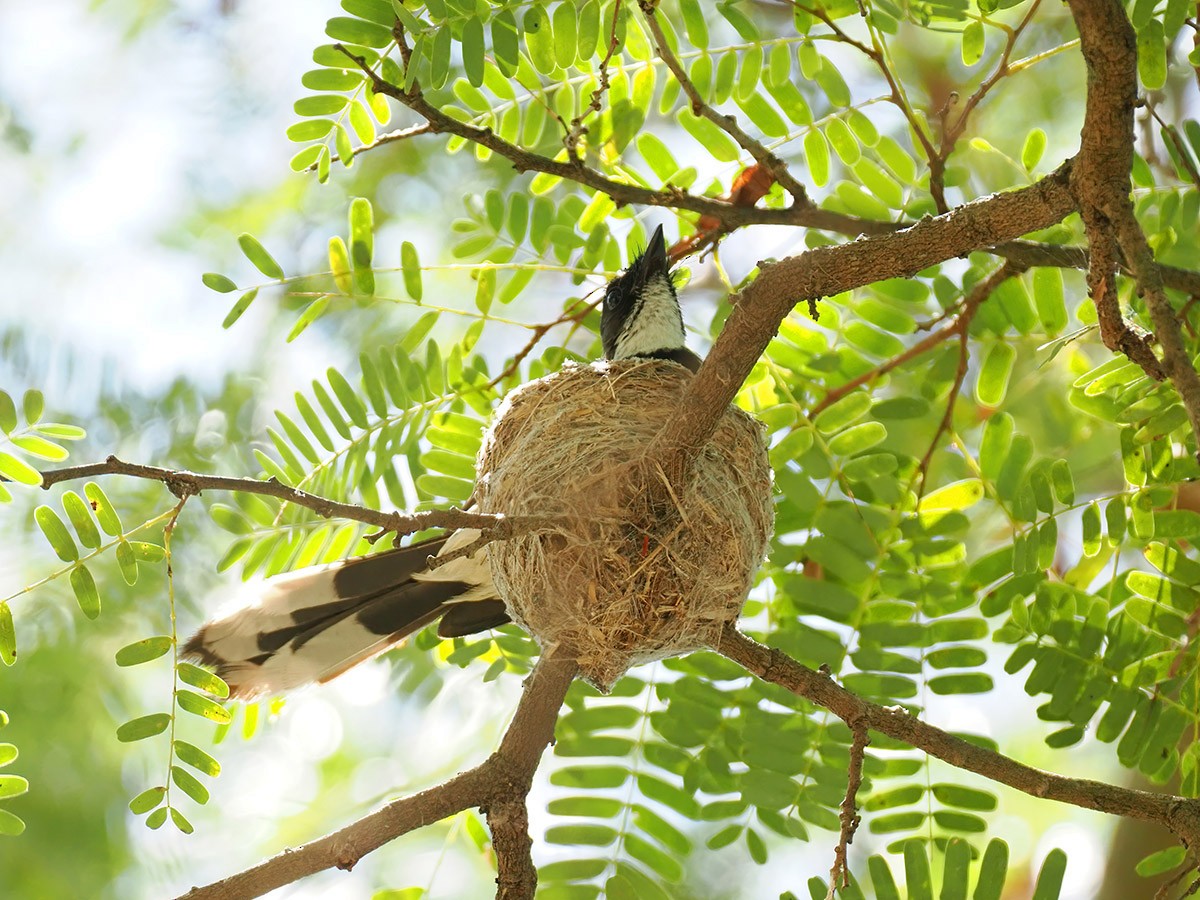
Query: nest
[(620, 581)]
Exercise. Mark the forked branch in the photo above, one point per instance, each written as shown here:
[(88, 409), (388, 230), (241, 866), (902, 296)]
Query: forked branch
[(499, 786)]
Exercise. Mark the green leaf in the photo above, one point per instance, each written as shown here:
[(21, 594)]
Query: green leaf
[(144, 651), (143, 727), (1152, 55), (11, 825), (61, 431), (816, 154), (311, 313), (964, 797), (33, 406), (8, 635), (81, 518), (127, 562), (189, 784), (362, 225), (202, 679), (833, 84), (565, 34), (217, 282), (339, 265), (348, 398), (504, 42), (539, 39), (959, 495), (86, 593), (147, 800), (356, 31), (8, 413), (19, 471), (179, 820), (858, 438), (364, 128), (694, 23), (318, 105), (1048, 295), (309, 130), (1031, 155), (202, 706), (842, 413), (1162, 861), (973, 43), (843, 141), (243, 304), (259, 257), (1050, 879), (591, 777), (156, 819), (993, 871), (994, 375), (581, 835), (331, 79), (197, 758), (719, 145), (12, 786), (411, 266), (56, 533), (106, 513), (40, 447), (473, 50)]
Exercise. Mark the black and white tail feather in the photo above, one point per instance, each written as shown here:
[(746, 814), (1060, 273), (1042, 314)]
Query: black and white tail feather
[(313, 624)]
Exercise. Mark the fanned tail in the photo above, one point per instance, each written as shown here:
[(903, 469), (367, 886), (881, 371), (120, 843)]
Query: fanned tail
[(313, 624)]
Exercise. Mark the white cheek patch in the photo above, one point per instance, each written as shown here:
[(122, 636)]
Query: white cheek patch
[(654, 325)]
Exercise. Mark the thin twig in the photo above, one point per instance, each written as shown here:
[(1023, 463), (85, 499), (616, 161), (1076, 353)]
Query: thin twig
[(1180, 814), (769, 161), (839, 874), (729, 214), (962, 325), (577, 130), (183, 483), (951, 135)]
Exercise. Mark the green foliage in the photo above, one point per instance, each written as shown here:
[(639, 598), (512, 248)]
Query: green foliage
[(11, 825), (927, 509)]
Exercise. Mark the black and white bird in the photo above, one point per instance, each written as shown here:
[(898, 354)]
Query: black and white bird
[(313, 624)]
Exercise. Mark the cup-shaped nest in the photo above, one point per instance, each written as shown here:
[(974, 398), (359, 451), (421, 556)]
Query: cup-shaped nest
[(622, 579)]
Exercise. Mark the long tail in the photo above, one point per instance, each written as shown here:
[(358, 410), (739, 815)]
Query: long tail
[(315, 623)]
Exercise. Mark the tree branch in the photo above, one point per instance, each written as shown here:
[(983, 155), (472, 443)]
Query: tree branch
[(728, 214), (1180, 814), (184, 484), (502, 781), (765, 158), (1100, 182), (825, 271)]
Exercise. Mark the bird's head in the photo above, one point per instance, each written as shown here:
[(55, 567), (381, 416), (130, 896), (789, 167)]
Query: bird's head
[(641, 314)]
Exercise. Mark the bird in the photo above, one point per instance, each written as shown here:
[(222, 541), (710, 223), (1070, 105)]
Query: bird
[(314, 624)]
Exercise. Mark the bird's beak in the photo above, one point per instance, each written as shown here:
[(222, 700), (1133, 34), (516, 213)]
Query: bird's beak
[(655, 258)]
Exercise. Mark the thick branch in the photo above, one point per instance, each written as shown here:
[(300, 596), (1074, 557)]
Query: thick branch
[(183, 484), (1100, 182), (1180, 814), (825, 271), (501, 781)]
